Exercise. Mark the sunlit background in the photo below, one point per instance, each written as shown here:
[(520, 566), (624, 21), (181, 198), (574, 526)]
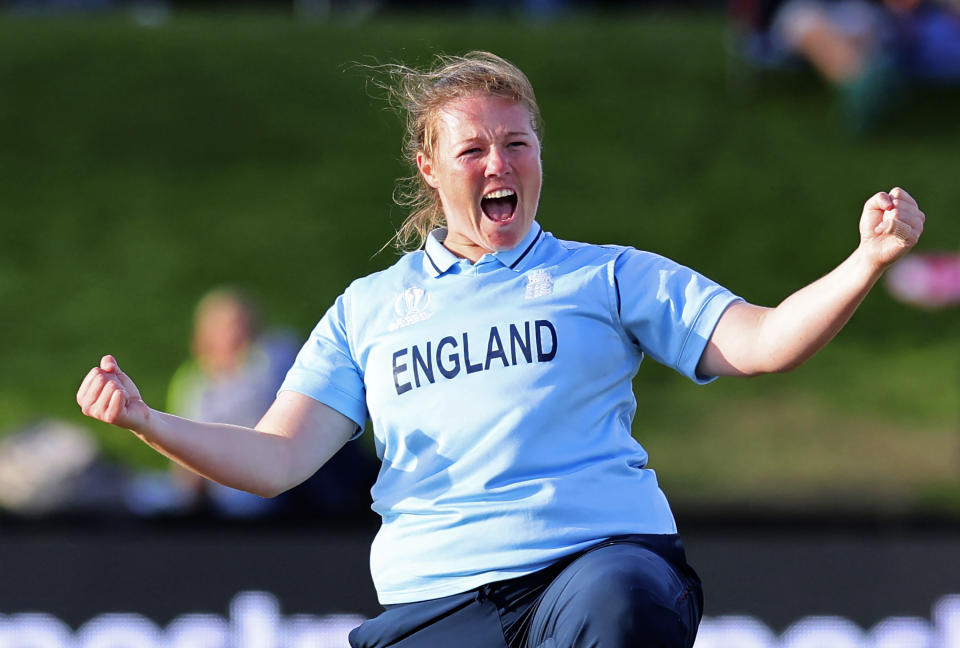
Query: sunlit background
[(153, 151)]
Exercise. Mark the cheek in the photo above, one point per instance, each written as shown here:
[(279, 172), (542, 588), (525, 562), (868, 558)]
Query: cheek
[(455, 196), (464, 182), (532, 173)]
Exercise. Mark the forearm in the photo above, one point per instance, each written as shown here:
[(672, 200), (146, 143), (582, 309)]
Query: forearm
[(801, 325), (295, 437), (244, 458)]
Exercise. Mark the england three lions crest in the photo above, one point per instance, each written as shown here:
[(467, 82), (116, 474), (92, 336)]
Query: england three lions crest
[(411, 306), (539, 284)]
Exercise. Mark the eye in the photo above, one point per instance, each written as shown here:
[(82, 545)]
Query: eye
[(517, 144), (470, 151)]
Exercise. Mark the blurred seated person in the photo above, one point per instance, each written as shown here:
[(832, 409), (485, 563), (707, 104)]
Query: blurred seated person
[(232, 377), (228, 379), (867, 49), (930, 280)]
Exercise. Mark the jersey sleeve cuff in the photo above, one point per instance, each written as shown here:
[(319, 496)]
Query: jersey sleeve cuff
[(700, 334), (334, 398)]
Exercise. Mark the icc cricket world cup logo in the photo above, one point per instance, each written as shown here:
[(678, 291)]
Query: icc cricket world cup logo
[(411, 306)]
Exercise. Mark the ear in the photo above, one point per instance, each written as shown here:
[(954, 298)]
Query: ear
[(426, 169)]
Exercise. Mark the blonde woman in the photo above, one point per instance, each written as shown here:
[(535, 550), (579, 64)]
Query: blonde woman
[(495, 363)]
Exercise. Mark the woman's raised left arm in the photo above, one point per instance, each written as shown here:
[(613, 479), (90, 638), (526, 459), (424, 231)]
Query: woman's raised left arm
[(750, 340)]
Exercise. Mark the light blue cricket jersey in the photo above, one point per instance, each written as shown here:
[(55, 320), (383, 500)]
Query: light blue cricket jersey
[(501, 400)]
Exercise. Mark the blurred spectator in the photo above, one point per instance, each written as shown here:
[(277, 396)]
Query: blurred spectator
[(929, 280), (232, 377), (871, 51), (54, 467)]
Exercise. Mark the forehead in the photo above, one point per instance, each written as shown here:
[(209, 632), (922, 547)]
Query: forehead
[(479, 116)]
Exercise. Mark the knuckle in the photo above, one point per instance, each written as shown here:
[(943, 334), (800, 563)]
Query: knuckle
[(88, 379)]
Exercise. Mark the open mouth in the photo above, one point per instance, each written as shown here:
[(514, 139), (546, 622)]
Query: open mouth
[(500, 205)]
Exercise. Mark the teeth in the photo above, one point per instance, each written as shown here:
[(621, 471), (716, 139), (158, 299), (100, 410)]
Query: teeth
[(500, 193)]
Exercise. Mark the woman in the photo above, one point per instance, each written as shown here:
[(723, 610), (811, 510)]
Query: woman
[(495, 364)]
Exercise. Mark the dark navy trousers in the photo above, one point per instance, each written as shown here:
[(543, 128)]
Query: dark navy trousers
[(631, 591)]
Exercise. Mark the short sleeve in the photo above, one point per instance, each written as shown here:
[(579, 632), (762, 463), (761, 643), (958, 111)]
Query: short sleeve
[(669, 309), (325, 369)]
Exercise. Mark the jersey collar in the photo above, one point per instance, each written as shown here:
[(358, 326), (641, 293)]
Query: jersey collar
[(512, 257), (438, 259)]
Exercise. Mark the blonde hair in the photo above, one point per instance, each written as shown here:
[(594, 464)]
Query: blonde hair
[(419, 95)]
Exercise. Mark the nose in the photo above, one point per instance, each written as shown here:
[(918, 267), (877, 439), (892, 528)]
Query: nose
[(497, 162)]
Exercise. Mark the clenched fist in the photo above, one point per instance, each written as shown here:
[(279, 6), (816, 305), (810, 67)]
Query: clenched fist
[(107, 394), (890, 226)]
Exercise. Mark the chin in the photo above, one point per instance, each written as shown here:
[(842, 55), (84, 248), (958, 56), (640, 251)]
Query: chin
[(504, 239)]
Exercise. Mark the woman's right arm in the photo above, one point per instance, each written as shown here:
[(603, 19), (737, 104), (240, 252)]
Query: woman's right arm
[(294, 438)]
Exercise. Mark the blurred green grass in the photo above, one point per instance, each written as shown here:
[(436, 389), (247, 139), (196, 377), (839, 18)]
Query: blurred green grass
[(139, 166)]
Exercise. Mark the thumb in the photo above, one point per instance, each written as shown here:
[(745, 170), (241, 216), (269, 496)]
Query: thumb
[(110, 365)]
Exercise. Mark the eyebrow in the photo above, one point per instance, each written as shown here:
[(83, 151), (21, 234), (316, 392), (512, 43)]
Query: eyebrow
[(477, 138)]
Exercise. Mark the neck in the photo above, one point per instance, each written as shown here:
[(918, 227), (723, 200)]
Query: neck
[(465, 249)]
